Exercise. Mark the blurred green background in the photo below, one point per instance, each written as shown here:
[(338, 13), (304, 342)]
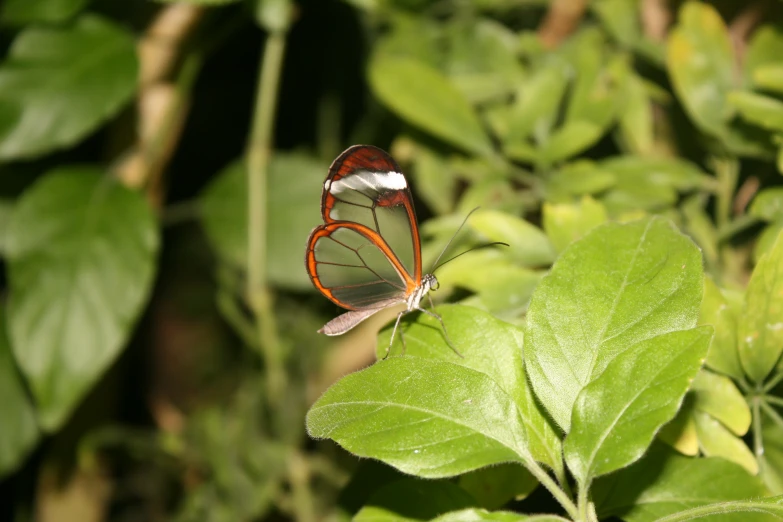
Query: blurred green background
[(159, 349)]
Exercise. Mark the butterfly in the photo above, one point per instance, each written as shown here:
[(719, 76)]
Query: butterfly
[(367, 255)]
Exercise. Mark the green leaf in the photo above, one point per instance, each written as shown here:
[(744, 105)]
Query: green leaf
[(495, 486), (771, 461), (766, 239), (81, 261), (536, 107), (424, 417), (411, 499), (715, 440), (718, 397), (423, 96), (650, 284), (199, 2), (576, 179), (59, 84), (435, 180), (764, 49), (769, 77), (24, 12), (768, 204), (295, 207), (700, 61), (699, 225), (489, 346), (715, 311), (664, 483), (481, 515), (761, 322), (20, 429), (482, 61), (649, 183), (764, 111), (502, 285), (635, 115), (569, 140), (565, 223), (528, 244), (617, 414)]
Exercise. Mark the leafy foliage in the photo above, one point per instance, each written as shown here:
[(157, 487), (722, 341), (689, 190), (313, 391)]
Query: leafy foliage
[(621, 357)]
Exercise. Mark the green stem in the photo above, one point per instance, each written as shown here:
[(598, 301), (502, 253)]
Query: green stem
[(258, 154), (773, 382), (758, 442), (776, 401), (299, 476), (770, 411), (583, 503), (549, 483)]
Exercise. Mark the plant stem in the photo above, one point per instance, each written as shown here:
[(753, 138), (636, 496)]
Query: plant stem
[(758, 443), (776, 401), (549, 483), (258, 154), (582, 503), (773, 382), (299, 476)]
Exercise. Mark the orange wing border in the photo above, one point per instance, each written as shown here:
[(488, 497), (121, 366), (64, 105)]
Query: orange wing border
[(325, 231)]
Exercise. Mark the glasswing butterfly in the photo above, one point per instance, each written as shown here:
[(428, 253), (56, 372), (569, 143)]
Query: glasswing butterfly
[(367, 254)]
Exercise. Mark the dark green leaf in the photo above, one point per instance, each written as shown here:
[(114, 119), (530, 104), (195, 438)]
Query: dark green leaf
[(481, 515), (425, 417), (59, 84), (761, 322), (24, 12), (199, 2), (664, 483), (20, 429), (293, 202), (424, 96), (650, 284), (81, 260), (411, 499), (612, 423), (495, 486)]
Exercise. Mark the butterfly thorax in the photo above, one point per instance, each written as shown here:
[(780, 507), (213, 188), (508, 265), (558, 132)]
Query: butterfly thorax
[(428, 282)]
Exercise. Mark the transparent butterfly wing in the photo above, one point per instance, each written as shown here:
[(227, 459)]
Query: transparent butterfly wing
[(351, 265), (366, 186)]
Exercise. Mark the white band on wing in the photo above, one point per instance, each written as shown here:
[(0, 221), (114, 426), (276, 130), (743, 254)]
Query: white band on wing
[(377, 181)]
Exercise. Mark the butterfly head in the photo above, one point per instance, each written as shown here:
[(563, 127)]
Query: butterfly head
[(429, 282)]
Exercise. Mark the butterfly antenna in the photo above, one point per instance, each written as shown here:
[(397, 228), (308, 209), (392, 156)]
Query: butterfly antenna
[(471, 250), (435, 264)]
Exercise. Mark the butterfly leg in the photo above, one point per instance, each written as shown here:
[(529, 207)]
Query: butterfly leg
[(445, 332), (402, 338)]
